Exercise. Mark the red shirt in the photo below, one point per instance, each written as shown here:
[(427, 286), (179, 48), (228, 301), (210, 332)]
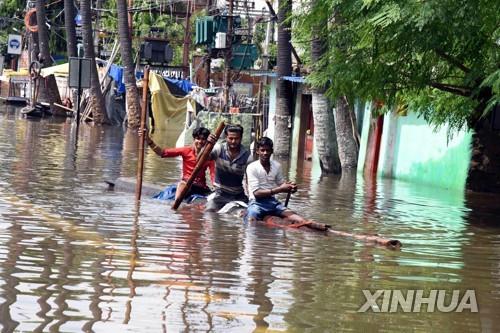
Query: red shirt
[(189, 162)]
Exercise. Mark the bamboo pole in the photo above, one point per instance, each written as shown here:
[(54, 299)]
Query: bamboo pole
[(201, 160), (140, 159)]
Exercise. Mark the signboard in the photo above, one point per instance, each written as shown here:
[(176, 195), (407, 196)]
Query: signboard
[(173, 72), (243, 88), (14, 44), (79, 72)]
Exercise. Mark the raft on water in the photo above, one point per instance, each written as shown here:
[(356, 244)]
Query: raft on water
[(238, 208)]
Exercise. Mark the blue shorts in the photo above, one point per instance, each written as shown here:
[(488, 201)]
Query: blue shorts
[(268, 206)]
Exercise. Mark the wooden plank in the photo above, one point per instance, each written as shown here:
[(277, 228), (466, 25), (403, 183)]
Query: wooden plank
[(64, 107)]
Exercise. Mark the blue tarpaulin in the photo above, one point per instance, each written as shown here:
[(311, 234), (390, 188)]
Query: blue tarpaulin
[(169, 194), (177, 87), (116, 73), (185, 85)]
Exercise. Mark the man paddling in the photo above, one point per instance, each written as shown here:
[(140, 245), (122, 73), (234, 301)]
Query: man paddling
[(189, 156), (231, 159), (265, 179)]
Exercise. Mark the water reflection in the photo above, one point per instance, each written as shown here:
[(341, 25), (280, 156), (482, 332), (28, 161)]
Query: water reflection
[(77, 258), (13, 250)]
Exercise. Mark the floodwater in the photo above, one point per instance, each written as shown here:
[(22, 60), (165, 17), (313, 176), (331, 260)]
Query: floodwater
[(75, 257)]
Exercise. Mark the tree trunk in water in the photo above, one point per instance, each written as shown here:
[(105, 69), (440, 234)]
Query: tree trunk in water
[(132, 95), (348, 149), (43, 34), (70, 26), (284, 88), (96, 99), (325, 138), (484, 170)]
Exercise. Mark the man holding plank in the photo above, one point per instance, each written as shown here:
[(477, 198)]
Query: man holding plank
[(189, 156), (231, 159)]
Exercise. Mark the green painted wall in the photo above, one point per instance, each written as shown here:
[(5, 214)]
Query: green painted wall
[(424, 155), (412, 150)]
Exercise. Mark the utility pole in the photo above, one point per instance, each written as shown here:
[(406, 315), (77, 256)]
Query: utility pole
[(265, 57), (228, 55), (187, 42), (208, 63)]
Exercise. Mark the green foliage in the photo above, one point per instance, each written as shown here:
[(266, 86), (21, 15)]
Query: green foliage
[(12, 10), (439, 56), (142, 24), (109, 18)]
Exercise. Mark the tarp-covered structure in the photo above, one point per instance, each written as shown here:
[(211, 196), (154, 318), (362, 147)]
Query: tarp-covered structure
[(169, 111)]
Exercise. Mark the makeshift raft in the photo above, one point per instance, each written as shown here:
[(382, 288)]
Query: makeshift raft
[(238, 208)]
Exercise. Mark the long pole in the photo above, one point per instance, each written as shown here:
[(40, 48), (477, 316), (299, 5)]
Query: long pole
[(228, 55), (187, 42), (140, 159), (201, 160), (79, 96)]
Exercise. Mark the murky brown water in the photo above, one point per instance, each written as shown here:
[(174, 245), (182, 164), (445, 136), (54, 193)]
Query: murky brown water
[(74, 257)]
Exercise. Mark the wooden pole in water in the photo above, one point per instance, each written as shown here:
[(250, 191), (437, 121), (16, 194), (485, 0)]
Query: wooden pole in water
[(288, 195), (140, 159), (201, 160)]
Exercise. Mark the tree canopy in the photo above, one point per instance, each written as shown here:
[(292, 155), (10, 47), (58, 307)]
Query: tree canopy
[(438, 57)]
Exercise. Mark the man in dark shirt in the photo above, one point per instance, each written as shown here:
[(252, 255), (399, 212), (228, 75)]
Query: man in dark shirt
[(231, 159)]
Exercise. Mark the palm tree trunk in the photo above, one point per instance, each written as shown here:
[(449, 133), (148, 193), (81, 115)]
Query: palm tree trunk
[(96, 99), (69, 24), (132, 95), (284, 88), (484, 168), (43, 33), (325, 137), (348, 148)]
